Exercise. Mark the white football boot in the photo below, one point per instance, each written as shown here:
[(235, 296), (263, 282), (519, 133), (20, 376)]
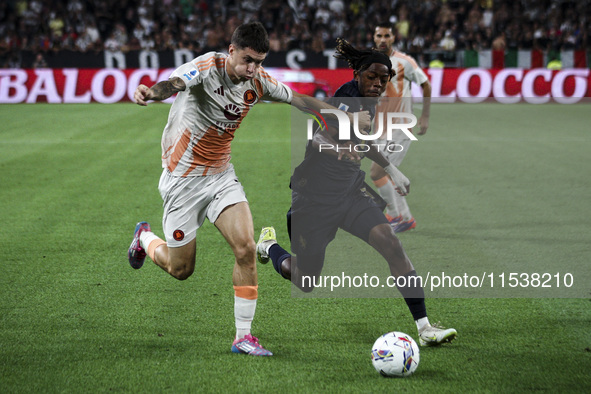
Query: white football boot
[(433, 335), (266, 239)]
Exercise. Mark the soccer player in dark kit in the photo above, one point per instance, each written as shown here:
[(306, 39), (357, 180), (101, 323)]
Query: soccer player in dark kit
[(329, 192)]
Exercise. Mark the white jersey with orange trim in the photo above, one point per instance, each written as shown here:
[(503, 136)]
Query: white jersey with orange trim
[(205, 116), (398, 90), (407, 71)]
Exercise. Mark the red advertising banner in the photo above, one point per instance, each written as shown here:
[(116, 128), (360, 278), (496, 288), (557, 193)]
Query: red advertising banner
[(71, 85), (510, 85), (470, 85), (473, 85)]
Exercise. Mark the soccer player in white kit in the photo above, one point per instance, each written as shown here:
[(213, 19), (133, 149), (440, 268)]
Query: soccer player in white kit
[(399, 89), (215, 92)]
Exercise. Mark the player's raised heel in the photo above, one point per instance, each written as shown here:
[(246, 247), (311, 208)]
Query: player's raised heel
[(249, 345), (136, 254), (266, 239), (436, 335)]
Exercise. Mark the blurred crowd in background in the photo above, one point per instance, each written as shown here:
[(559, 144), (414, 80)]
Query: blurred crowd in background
[(311, 25)]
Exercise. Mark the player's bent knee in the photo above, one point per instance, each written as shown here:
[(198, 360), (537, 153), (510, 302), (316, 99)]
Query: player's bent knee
[(181, 272), (245, 253), (181, 261), (383, 239), (181, 268)]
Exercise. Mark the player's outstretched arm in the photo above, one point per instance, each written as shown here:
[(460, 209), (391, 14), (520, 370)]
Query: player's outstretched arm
[(424, 120), (160, 91), (301, 102)]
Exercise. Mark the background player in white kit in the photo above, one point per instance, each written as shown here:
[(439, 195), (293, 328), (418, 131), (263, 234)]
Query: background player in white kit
[(399, 88), (215, 92)]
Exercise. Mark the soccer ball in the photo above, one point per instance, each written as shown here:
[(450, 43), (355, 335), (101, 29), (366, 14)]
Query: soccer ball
[(395, 354)]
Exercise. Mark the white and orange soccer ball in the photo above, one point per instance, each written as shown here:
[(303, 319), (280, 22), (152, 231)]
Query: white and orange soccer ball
[(395, 354)]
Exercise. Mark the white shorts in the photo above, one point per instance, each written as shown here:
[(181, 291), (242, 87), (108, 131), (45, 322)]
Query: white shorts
[(395, 151), (188, 201)]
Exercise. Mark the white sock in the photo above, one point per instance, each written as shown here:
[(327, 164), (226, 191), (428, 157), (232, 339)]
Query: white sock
[(388, 193), (402, 207), (422, 322), (243, 313), (146, 237)]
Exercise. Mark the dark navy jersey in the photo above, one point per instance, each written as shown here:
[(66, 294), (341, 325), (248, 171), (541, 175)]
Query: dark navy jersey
[(322, 177)]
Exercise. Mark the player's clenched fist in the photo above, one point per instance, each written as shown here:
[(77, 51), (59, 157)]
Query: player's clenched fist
[(142, 94)]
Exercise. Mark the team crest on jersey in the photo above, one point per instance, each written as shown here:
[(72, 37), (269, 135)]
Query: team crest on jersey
[(232, 112), (250, 96), (178, 235)]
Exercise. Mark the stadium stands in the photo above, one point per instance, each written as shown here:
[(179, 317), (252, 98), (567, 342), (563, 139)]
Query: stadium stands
[(425, 28)]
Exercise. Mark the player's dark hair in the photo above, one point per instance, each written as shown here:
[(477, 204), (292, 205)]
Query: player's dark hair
[(385, 25), (251, 35), (360, 59)]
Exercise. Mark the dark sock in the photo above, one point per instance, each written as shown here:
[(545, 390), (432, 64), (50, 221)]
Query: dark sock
[(278, 254), (413, 294)]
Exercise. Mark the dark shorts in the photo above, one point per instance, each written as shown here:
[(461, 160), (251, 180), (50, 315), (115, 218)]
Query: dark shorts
[(313, 226)]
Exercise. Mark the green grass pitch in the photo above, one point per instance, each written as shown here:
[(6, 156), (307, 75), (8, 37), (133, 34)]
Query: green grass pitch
[(496, 187)]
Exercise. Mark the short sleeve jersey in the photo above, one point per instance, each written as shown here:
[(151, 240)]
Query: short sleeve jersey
[(321, 177), (399, 88), (407, 71), (204, 117)]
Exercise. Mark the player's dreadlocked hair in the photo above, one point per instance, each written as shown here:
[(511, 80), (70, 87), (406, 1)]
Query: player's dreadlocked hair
[(360, 59)]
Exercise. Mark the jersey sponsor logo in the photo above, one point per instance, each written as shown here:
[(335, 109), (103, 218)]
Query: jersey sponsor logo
[(226, 126), (219, 91), (178, 235), (250, 96), (232, 112)]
